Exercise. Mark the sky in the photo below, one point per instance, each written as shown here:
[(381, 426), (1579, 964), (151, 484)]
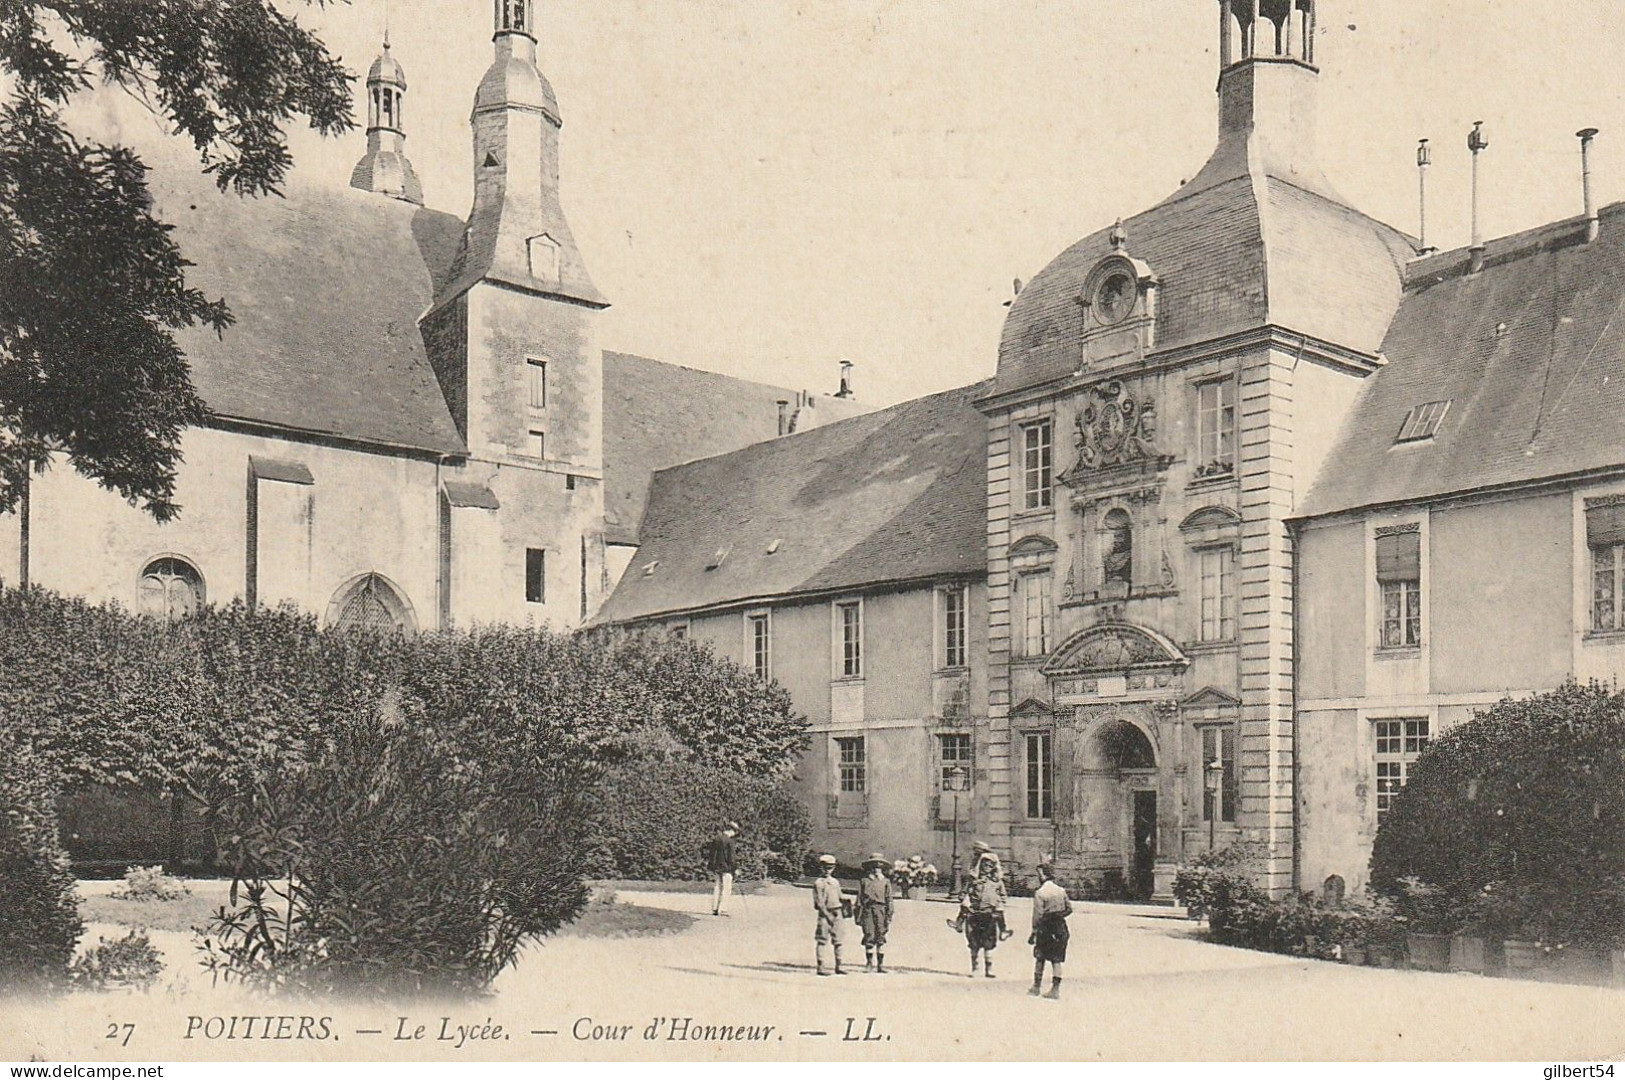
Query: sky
[(765, 187)]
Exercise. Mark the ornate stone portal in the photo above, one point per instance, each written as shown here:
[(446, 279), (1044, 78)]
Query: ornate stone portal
[(1118, 739)]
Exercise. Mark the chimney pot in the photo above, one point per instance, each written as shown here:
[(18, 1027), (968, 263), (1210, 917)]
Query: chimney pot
[(784, 415), (846, 380), (1593, 225)]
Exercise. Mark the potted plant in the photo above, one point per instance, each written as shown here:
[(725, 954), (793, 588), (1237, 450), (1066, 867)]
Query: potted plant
[(1516, 916), (1430, 918), (1469, 946)]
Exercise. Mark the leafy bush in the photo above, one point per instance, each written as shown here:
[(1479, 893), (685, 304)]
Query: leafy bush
[(1214, 884), (39, 912), (131, 961), (1526, 804), (655, 822), (150, 883)]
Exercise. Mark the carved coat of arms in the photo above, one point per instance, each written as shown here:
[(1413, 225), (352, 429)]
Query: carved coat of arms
[(1114, 429)]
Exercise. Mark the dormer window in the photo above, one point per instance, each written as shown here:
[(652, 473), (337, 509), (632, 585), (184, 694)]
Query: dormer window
[(544, 258), (1422, 422), (1115, 298)]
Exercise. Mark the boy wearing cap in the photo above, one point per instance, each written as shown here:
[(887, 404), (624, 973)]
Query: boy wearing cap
[(722, 861), (874, 912), (1050, 935), (827, 907)]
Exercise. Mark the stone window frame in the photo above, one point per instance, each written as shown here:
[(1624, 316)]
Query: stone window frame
[(1046, 792), (943, 650), (1416, 522), (1044, 492), (761, 666), (840, 668)]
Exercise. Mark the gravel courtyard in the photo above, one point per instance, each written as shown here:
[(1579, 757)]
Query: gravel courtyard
[(1140, 986)]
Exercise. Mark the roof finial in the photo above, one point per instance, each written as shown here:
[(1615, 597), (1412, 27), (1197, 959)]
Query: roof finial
[(386, 25)]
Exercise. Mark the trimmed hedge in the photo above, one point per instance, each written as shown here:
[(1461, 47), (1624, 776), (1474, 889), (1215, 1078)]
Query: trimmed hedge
[(431, 799), (39, 912), (1516, 819), (655, 821)]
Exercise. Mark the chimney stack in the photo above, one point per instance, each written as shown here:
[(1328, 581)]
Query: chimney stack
[(1424, 158), (1477, 143), (846, 380), (1593, 226), (784, 415)]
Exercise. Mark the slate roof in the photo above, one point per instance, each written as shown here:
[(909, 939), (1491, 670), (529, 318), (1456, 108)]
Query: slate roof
[(657, 415), (1530, 353), (890, 496), (326, 286), (1247, 243)]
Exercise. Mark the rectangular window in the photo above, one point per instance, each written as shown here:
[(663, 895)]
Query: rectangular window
[(537, 445), (1399, 572), (954, 623), (1034, 592), (1605, 536), (851, 766), (851, 620), (1423, 421), (953, 752), (1218, 582), (679, 631), (1216, 428), (535, 576), (1037, 465), (1399, 744), (758, 639), (1040, 775), (537, 372), (1219, 744)]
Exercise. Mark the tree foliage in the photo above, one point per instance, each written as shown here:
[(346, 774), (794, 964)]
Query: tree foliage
[(1518, 818), (39, 917), (92, 287)]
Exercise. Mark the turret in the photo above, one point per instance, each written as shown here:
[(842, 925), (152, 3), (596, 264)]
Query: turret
[(385, 168)]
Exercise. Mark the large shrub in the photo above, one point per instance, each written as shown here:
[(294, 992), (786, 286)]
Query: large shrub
[(398, 860), (1519, 812), (654, 822), (39, 913)]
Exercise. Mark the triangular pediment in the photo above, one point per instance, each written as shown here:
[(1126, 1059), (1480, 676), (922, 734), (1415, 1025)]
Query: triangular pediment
[(1114, 648), (1032, 707), (1210, 697)]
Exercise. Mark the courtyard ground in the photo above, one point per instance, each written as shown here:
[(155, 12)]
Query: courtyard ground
[(1140, 985)]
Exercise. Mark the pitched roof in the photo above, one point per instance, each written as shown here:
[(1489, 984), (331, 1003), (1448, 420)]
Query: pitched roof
[(895, 495), (657, 415), (1530, 354), (326, 286)]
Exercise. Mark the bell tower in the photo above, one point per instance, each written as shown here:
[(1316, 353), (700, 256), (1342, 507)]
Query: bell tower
[(513, 341), (385, 168)]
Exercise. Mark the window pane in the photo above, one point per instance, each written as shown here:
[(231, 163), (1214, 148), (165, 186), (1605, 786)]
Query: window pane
[(538, 384), (1036, 464), (1039, 770), (535, 576)]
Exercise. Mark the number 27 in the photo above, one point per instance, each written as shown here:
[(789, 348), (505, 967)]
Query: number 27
[(114, 1029)]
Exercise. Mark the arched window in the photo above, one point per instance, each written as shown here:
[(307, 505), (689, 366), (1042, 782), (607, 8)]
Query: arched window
[(1333, 890), (371, 602), (1118, 549), (171, 588)]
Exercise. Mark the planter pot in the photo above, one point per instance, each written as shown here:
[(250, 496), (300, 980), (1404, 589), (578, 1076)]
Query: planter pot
[(1468, 953), (1355, 955), (1523, 957), (1428, 952), (1577, 964)]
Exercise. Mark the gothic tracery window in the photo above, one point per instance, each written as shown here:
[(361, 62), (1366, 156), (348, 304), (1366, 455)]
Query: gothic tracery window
[(371, 603)]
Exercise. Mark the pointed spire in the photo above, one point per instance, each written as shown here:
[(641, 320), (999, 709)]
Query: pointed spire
[(385, 168)]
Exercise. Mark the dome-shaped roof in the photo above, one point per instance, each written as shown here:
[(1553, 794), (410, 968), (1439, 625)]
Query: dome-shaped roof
[(387, 69), (514, 80), (1258, 238)]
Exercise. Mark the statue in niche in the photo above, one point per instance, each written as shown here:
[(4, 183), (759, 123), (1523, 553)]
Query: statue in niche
[(1117, 567)]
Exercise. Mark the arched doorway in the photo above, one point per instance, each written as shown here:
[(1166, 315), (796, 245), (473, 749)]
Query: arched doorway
[(1115, 785), (371, 602)]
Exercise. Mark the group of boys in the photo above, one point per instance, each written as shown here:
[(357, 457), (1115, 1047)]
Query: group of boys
[(981, 917)]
